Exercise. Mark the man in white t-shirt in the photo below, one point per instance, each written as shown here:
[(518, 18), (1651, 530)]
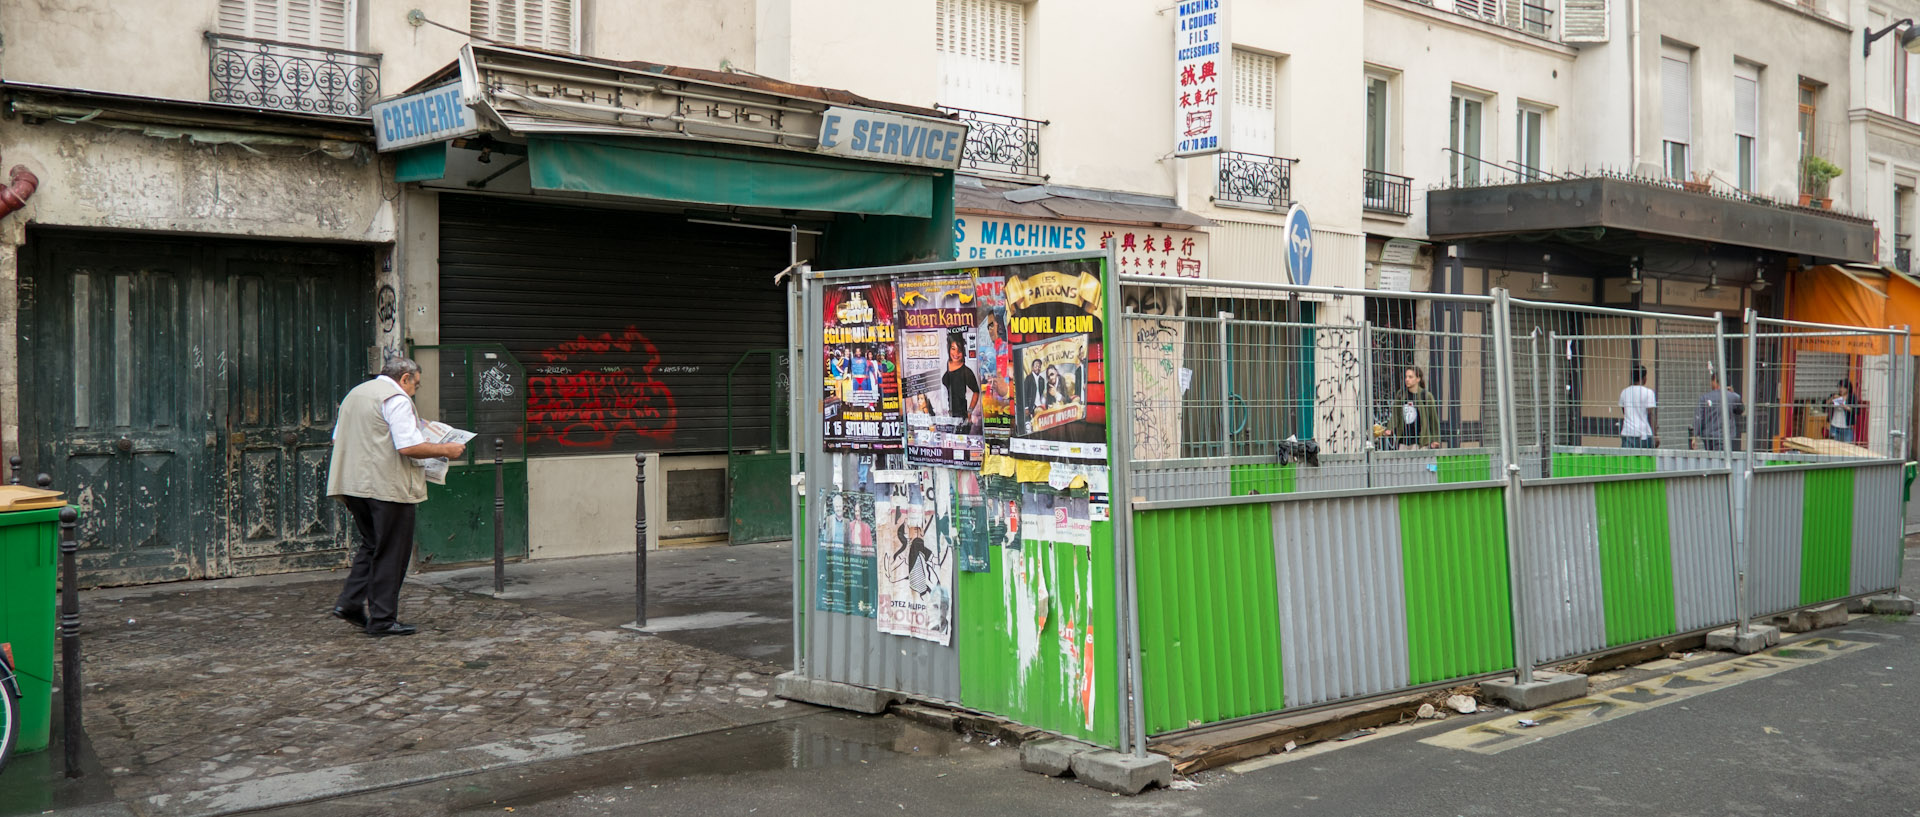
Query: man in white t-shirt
[(1636, 431)]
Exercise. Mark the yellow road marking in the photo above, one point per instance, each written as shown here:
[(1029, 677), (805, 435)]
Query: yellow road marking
[(1505, 732)]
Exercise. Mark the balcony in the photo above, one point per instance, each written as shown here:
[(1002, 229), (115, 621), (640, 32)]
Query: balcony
[(1000, 145), (1252, 180), (289, 77), (1386, 193)]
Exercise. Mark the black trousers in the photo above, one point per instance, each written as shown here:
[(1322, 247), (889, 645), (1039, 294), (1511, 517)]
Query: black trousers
[(380, 563)]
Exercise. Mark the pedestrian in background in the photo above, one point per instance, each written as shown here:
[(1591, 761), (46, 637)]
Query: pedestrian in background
[(377, 440), (1840, 408), (1706, 430), (1415, 415), (1637, 401)]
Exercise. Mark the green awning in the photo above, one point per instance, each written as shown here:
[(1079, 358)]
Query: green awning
[(725, 175)]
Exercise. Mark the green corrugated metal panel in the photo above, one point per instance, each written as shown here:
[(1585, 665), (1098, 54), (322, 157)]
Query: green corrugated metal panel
[(1015, 665), (1466, 468), (1209, 615), (455, 524), (1826, 536), (1636, 557), (1454, 552), (708, 173), (1596, 465), (1262, 478)]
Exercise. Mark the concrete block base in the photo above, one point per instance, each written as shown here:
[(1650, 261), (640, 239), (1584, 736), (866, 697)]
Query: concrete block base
[(1890, 606), (1818, 618), (1758, 637), (832, 693), (1053, 758), (1122, 773), (1546, 689)]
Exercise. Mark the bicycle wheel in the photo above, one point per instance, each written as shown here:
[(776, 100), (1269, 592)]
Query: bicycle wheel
[(9, 725)]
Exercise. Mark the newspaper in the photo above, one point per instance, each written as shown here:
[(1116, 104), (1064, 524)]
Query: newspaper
[(438, 432)]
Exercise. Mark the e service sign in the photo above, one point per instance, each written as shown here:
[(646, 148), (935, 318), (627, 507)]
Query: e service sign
[(891, 137), (432, 115)]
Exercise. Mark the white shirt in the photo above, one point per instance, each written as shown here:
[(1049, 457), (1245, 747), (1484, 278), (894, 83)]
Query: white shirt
[(1837, 415), (402, 424), (1636, 400)]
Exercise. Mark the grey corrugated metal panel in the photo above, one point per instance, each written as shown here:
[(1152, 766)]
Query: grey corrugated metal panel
[(1665, 459), (1779, 499), (1565, 608), (850, 650), (1701, 544), (1343, 608), (1878, 528), (1336, 472), (1185, 482), (1394, 469)]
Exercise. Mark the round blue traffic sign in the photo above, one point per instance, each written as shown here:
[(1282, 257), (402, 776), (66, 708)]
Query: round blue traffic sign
[(1299, 246)]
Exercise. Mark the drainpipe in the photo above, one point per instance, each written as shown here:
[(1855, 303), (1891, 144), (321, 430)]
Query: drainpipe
[(1633, 84), (14, 195)]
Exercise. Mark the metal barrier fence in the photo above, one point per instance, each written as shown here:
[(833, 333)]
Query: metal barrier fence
[(1307, 495)]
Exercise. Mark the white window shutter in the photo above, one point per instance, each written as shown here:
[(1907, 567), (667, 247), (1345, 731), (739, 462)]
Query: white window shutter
[(1253, 103), (1746, 106), (1676, 103), (322, 23), (982, 53), (1585, 22)]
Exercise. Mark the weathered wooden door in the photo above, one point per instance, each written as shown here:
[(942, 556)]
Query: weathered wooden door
[(182, 393)]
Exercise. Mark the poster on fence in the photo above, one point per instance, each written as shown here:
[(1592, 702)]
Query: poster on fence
[(861, 406), (1059, 517), (940, 365), (965, 511), (996, 354), (1002, 497), (916, 562), (845, 567), (1055, 326)]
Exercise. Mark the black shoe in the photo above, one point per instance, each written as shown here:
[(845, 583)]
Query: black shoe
[(390, 628), (355, 616)]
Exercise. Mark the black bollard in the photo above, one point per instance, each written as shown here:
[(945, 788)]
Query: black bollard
[(13, 470), (70, 637), (499, 518), (640, 541), (43, 481)]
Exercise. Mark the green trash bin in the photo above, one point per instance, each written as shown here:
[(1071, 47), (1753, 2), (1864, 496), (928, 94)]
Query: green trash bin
[(1908, 496), (29, 571)]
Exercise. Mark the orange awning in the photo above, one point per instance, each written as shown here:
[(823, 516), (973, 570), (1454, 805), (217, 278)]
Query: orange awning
[(1829, 294), (1903, 304)]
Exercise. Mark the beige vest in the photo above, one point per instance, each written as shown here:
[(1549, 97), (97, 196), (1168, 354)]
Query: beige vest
[(364, 461)]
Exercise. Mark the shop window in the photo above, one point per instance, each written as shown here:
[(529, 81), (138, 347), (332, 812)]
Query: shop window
[(1676, 111), (982, 48), (551, 25), (320, 23), (1746, 123)]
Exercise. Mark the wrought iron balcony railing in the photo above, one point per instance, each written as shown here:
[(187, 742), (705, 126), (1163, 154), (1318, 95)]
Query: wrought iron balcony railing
[(1536, 19), (291, 77), (1000, 143), (1386, 192), (1249, 178), (1903, 260)]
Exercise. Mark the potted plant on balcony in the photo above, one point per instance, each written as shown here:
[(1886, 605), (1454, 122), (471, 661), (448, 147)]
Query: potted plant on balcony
[(1816, 174), (1699, 184)]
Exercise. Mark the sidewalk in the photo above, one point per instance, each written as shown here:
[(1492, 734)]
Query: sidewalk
[(205, 697)]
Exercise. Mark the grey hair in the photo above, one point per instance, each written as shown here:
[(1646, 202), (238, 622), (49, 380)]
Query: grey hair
[(398, 366)]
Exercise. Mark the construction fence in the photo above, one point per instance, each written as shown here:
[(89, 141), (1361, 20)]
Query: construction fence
[(1118, 507)]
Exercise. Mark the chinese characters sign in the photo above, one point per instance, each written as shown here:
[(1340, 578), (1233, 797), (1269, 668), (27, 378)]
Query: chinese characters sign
[(1142, 250), (1201, 56)]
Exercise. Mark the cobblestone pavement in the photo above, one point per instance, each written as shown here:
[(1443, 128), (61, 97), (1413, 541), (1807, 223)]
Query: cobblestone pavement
[(187, 690)]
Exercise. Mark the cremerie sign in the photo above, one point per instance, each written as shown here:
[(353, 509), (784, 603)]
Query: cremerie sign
[(890, 137), (432, 115)]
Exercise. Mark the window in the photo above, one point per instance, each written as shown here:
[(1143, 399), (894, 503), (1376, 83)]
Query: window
[(1463, 122), (1902, 229), (1809, 108), (1746, 123), (1253, 102), (1676, 110), (1377, 123), (545, 24), (322, 23), (1900, 82), (1528, 127), (982, 47)]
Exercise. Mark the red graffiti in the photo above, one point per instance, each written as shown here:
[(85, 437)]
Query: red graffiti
[(592, 390)]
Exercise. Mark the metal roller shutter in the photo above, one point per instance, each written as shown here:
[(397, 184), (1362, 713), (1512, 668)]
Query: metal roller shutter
[(626, 322)]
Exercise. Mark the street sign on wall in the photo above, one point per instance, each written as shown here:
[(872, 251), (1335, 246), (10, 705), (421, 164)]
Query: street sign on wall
[(1203, 76), (1299, 246)]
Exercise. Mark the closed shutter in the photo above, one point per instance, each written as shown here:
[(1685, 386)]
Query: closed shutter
[(626, 323), (982, 48), (545, 24), (1584, 22), (1746, 100), (1253, 102), (322, 23), (1676, 100)]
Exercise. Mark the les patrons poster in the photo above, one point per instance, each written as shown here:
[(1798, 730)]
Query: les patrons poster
[(861, 405), (1055, 326)]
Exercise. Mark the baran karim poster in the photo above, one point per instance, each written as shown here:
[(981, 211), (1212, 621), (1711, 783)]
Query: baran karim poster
[(944, 402), (861, 405), (1055, 326)]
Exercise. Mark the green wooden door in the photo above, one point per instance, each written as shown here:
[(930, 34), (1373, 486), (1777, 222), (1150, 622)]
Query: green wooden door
[(182, 393), (759, 467)]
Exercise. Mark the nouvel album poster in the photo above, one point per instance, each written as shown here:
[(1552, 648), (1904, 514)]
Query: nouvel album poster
[(1055, 327), (940, 362), (861, 405)]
